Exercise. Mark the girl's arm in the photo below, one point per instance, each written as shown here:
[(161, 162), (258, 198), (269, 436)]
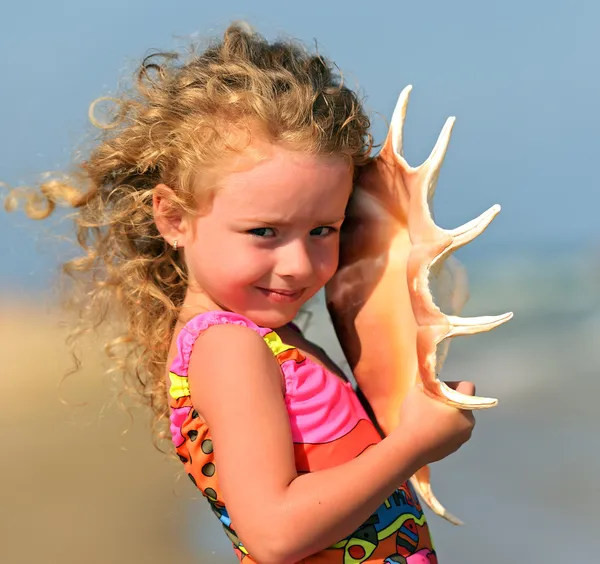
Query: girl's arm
[(281, 517)]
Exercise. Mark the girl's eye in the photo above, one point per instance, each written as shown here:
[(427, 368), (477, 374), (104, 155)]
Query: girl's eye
[(323, 231), (262, 232)]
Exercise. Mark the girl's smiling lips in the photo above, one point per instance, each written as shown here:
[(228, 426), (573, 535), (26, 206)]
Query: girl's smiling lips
[(284, 296)]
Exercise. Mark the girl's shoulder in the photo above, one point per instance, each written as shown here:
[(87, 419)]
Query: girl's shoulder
[(284, 344), (226, 340), (219, 356)]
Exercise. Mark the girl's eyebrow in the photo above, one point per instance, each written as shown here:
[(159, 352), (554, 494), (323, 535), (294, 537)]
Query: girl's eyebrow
[(283, 221), (339, 220)]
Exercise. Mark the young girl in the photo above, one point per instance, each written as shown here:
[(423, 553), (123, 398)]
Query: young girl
[(210, 213)]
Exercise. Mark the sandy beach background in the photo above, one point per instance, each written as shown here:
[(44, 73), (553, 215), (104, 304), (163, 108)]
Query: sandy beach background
[(83, 483)]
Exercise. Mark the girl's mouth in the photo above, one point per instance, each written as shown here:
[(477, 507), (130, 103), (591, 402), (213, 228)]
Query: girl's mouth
[(282, 296)]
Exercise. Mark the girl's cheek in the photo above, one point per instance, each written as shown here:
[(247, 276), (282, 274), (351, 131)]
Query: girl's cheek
[(249, 259), (329, 258)]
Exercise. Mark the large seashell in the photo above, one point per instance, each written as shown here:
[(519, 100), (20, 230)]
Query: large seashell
[(380, 300)]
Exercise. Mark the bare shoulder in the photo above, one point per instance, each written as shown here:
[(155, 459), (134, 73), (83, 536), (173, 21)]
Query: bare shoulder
[(231, 360), (231, 341)]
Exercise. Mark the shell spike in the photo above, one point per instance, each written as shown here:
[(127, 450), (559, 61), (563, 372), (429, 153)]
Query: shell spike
[(462, 401), (436, 157), (432, 166), (473, 325), (421, 483), (472, 229), (397, 123)]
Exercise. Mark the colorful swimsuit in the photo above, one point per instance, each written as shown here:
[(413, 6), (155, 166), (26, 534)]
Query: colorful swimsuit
[(329, 427)]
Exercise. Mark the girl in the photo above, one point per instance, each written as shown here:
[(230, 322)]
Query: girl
[(210, 213)]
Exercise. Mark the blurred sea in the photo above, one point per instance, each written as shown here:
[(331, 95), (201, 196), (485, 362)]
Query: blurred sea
[(526, 484)]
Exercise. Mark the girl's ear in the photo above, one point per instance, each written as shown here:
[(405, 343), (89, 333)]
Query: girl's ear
[(169, 218)]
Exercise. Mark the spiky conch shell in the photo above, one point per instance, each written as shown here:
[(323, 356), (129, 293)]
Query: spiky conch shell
[(380, 300)]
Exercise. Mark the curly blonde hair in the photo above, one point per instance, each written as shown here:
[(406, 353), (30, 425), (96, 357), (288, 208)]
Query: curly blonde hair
[(171, 124)]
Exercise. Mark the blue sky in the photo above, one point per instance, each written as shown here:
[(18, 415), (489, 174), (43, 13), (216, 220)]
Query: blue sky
[(522, 78)]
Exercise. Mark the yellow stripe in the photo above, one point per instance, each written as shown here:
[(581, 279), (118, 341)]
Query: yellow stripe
[(180, 386), (393, 527), (275, 343), (389, 530)]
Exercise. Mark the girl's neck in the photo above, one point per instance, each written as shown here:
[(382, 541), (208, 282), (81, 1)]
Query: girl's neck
[(195, 303)]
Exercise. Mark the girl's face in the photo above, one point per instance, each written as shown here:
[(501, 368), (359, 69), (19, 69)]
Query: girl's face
[(271, 238)]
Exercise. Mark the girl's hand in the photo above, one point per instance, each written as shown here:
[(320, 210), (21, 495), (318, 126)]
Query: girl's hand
[(436, 429)]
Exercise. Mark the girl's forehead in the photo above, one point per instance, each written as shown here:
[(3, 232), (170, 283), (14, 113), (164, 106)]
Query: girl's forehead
[(282, 180)]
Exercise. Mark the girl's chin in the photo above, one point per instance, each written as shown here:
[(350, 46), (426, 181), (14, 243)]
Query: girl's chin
[(274, 317), (272, 320)]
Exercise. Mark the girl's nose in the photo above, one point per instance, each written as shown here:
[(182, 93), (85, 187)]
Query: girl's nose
[(294, 260)]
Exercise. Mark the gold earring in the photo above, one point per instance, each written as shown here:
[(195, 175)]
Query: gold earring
[(175, 245)]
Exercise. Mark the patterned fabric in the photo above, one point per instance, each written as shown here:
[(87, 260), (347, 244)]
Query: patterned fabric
[(329, 427)]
